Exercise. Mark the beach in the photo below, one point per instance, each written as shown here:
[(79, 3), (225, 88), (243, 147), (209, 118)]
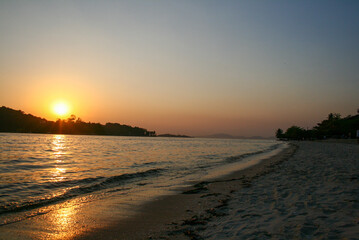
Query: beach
[(56, 187), (153, 120), (309, 190)]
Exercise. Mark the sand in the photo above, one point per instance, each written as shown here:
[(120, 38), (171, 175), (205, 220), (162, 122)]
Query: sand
[(310, 190), (315, 194)]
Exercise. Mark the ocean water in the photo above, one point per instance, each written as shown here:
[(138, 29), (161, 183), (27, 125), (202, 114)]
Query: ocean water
[(38, 171)]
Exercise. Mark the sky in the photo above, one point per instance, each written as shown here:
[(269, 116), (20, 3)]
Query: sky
[(183, 67)]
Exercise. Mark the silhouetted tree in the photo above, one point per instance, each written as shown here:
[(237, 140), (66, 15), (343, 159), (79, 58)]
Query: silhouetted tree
[(333, 127), (279, 133), (72, 118), (295, 132)]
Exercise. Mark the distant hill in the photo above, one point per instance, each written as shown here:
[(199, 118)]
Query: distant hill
[(172, 135), (228, 136), (220, 135), (17, 121)]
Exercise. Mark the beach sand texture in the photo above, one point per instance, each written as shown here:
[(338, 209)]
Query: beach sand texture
[(314, 195), (309, 191)]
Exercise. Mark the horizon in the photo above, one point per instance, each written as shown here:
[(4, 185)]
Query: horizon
[(70, 118), (193, 68)]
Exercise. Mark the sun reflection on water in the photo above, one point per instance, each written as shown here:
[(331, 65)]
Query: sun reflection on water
[(58, 152), (58, 147), (63, 219), (62, 222)]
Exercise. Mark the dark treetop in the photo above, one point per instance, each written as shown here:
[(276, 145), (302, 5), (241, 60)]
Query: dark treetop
[(17, 121), (333, 127)]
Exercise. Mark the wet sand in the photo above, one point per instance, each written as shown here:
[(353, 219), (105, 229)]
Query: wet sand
[(310, 190)]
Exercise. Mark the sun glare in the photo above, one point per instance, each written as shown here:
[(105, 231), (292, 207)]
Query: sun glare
[(61, 109)]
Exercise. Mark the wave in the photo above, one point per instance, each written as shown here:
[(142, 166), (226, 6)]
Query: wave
[(138, 165), (74, 188), (242, 156)]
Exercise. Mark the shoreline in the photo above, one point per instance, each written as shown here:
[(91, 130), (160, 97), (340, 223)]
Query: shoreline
[(171, 216), (307, 191), (76, 214)]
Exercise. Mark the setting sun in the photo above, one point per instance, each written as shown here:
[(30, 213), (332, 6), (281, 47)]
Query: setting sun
[(61, 109)]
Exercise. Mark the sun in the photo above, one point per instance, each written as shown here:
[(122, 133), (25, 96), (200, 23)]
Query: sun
[(61, 109)]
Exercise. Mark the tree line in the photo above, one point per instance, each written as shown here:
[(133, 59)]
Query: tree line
[(333, 127), (17, 121)]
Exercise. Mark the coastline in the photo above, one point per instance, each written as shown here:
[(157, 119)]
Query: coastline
[(309, 190), (171, 216)]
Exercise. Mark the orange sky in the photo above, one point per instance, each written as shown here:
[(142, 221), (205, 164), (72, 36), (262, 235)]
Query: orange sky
[(194, 68)]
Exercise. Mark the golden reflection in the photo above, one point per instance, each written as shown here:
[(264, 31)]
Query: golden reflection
[(58, 152), (62, 223), (58, 174), (65, 218), (58, 145)]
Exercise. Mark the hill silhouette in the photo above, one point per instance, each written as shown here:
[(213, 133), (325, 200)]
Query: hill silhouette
[(17, 121), (173, 135), (229, 136)]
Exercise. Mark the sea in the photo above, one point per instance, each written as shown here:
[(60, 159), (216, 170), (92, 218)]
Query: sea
[(39, 172)]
